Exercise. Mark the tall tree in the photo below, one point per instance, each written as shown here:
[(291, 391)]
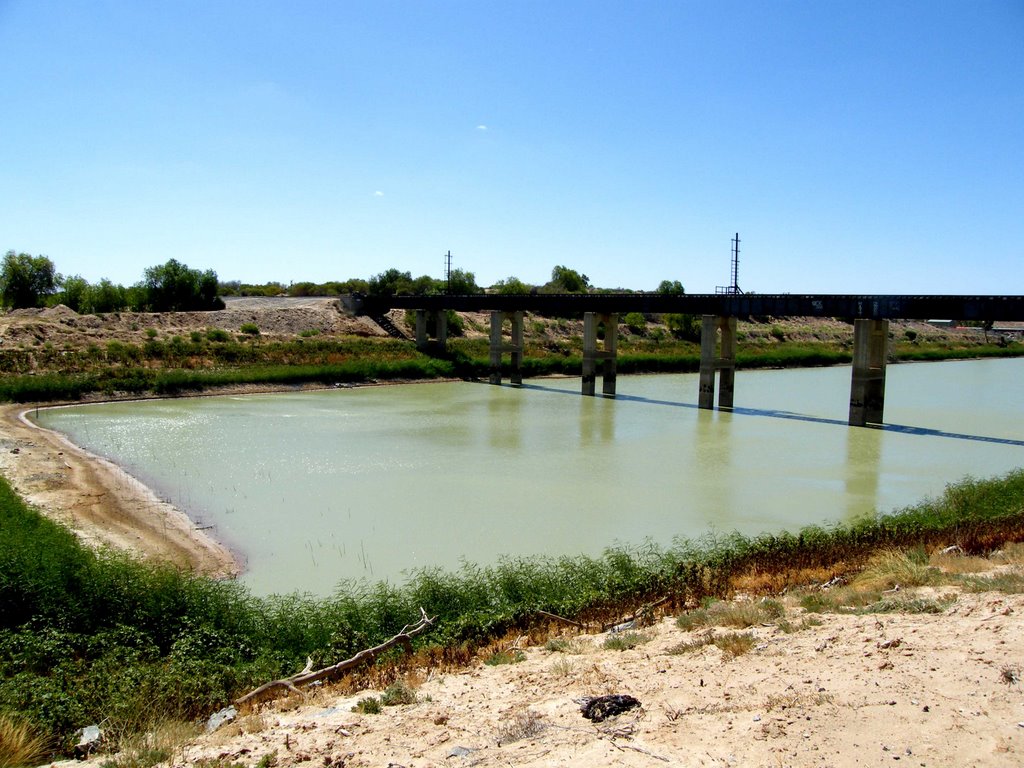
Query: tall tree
[(565, 280), (26, 281), (174, 287)]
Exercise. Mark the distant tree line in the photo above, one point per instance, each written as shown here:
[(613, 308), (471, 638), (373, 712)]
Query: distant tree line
[(32, 281)]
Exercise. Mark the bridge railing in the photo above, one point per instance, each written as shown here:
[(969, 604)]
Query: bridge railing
[(872, 307)]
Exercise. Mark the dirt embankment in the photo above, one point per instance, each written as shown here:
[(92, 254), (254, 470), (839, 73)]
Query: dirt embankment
[(275, 318), (921, 689)]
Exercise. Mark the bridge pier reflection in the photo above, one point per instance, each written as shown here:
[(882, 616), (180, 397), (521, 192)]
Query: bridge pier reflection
[(591, 353)]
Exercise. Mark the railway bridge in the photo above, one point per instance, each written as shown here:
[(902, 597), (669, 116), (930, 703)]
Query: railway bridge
[(870, 316)]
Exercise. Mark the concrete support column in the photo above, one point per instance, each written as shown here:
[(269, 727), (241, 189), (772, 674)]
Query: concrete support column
[(497, 318), (591, 354), (726, 363), (714, 360), (867, 391), (440, 321), (517, 348), (421, 329), (441, 328), (498, 347), (611, 342)]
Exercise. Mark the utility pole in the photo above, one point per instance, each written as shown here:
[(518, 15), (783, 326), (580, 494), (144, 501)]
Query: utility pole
[(448, 272), (735, 287)]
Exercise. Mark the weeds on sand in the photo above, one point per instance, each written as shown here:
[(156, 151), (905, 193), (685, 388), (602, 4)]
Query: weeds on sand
[(625, 641), (732, 644), (738, 614), (162, 743), (850, 600), (573, 646), (562, 668), (805, 623), (891, 568), (394, 695), (1010, 674), (368, 706), (522, 725), (499, 658), (398, 693), (1010, 554), (1011, 583)]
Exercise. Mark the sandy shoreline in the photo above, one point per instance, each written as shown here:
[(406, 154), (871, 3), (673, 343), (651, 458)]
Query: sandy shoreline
[(100, 502)]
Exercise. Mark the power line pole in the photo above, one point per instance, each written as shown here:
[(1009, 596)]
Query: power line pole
[(735, 287), (448, 272)]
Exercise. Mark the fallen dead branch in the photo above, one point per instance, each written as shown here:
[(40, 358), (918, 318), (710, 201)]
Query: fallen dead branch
[(308, 675)]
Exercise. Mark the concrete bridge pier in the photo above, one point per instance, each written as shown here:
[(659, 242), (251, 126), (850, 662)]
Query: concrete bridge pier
[(717, 360), (591, 353), (498, 347), (440, 322), (867, 392)]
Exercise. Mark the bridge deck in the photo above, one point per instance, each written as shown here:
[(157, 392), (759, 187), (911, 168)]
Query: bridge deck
[(879, 307)]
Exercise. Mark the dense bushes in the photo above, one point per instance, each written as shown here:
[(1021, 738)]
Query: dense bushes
[(88, 636)]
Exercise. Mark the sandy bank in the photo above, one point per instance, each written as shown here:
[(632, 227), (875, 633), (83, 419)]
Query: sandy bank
[(99, 501)]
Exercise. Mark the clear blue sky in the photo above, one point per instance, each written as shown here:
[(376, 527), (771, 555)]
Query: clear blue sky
[(856, 146)]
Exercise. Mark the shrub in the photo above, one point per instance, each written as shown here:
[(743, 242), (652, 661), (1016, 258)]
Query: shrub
[(636, 322), (250, 329)]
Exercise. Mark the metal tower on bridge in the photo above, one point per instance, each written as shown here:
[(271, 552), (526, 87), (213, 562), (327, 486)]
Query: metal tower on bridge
[(734, 274)]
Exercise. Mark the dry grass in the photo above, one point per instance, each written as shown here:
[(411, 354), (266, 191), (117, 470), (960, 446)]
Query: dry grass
[(891, 568), (957, 562), (163, 742), (732, 644), (522, 725), (625, 641), (1010, 554), (20, 744), (562, 668), (574, 646), (738, 614)]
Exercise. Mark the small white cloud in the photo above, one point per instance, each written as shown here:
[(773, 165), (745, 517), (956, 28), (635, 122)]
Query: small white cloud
[(481, 127), (378, 193)]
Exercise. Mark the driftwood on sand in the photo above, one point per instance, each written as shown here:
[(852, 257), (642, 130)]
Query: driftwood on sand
[(309, 675)]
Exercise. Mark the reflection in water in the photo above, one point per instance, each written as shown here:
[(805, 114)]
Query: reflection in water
[(504, 409), (368, 482), (597, 421), (863, 460)]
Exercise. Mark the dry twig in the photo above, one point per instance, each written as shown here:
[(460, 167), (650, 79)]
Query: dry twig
[(308, 675)]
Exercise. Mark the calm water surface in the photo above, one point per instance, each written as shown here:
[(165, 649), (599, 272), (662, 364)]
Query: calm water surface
[(317, 487)]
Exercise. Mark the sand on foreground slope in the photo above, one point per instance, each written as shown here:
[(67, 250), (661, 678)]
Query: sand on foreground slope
[(881, 689)]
